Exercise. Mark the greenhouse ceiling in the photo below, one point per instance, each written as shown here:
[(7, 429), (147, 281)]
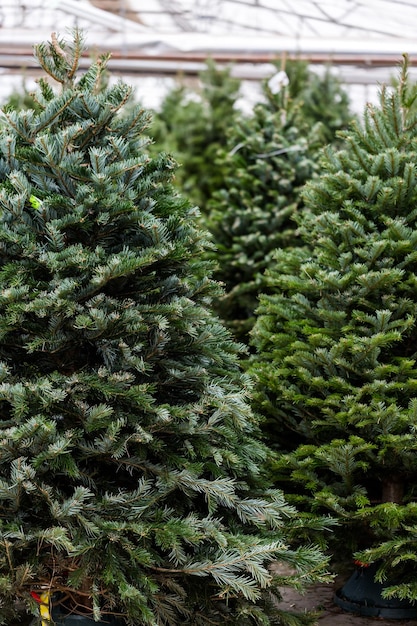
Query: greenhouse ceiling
[(320, 19), (378, 27), (168, 36)]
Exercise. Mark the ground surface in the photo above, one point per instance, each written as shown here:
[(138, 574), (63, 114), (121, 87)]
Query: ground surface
[(320, 598)]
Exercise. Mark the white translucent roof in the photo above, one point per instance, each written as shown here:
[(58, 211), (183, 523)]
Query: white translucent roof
[(260, 24), (289, 18)]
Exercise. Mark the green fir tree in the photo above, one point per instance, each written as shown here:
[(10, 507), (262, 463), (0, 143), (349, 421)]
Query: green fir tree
[(193, 124), (131, 468), (323, 98), (335, 369), (270, 157)]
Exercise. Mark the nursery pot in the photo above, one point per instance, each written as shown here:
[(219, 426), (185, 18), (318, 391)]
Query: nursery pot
[(361, 594), (62, 619)]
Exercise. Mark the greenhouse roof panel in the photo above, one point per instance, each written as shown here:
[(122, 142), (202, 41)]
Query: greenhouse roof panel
[(376, 18), (204, 26)]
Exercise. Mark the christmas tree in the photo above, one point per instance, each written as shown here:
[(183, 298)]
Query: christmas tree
[(269, 158), (193, 124), (131, 468), (322, 96), (336, 364)]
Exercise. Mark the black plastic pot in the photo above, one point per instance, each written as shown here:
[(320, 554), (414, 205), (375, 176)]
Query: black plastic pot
[(361, 594), (61, 619)]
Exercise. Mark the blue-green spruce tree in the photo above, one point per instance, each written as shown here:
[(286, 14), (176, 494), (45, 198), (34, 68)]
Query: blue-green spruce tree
[(131, 477)]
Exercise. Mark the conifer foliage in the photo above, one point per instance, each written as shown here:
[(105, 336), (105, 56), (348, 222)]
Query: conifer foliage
[(322, 96), (130, 461), (192, 124), (336, 366), (270, 156)]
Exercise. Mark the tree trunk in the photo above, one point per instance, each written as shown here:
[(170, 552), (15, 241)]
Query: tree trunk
[(393, 490)]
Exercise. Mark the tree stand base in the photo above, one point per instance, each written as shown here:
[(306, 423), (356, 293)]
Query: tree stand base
[(361, 594)]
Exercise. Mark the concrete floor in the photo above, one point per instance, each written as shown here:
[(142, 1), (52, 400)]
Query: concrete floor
[(320, 598)]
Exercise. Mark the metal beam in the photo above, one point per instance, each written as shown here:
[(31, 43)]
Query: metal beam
[(359, 70)]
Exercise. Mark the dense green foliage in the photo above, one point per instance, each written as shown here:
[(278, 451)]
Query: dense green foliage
[(336, 367), (322, 97), (131, 469), (269, 158), (192, 125), (269, 161)]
